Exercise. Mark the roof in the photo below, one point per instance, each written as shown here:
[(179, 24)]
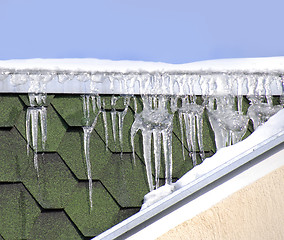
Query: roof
[(257, 148)]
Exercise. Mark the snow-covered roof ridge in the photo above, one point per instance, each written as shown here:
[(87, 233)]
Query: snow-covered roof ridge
[(92, 65), (252, 76)]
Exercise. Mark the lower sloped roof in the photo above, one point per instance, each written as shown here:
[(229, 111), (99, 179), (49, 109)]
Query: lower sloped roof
[(229, 162)]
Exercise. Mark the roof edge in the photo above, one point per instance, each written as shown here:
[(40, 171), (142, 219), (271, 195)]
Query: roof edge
[(194, 186)]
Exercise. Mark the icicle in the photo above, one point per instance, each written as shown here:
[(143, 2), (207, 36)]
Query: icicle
[(188, 133), (28, 129), (228, 125), (182, 137), (113, 118), (192, 114), (105, 123), (154, 119), (121, 116), (87, 135), (199, 120), (113, 121), (167, 145), (134, 130), (135, 104), (34, 112), (34, 122), (43, 124), (105, 126), (192, 138), (147, 135), (157, 154), (240, 104)]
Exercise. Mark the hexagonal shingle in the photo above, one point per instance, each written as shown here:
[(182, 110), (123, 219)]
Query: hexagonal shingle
[(18, 211), (13, 158), (53, 225), (70, 108), (103, 215), (71, 150), (10, 108), (126, 182), (55, 183)]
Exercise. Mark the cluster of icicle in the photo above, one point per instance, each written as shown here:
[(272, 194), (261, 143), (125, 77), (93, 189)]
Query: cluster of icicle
[(98, 108), (36, 111), (155, 122), (163, 95)]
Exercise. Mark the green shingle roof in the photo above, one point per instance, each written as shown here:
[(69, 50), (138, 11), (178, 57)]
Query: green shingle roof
[(56, 205)]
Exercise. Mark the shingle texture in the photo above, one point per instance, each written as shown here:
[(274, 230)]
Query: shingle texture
[(55, 204)]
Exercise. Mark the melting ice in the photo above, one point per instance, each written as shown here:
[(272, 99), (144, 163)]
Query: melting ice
[(34, 112), (155, 121), (98, 107), (221, 96)]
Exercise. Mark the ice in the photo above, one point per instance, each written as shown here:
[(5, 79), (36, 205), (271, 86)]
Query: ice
[(260, 111), (217, 87), (181, 130), (113, 117), (87, 135), (87, 130), (34, 112), (105, 127), (273, 126), (86, 108), (228, 125), (156, 121), (157, 153), (121, 116), (192, 114)]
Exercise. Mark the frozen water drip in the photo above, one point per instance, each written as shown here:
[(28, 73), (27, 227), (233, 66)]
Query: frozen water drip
[(35, 113)]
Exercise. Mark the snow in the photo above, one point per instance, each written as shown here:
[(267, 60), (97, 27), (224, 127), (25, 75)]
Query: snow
[(272, 64), (273, 126), (256, 76)]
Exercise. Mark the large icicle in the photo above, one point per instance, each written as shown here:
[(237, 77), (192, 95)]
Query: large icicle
[(113, 118), (105, 123), (87, 136), (121, 116), (34, 112), (87, 130), (192, 114), (156, 121), (228, 125)]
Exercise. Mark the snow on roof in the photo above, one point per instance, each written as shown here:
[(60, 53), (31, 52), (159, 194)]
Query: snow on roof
[(271, 64), (251, 76)]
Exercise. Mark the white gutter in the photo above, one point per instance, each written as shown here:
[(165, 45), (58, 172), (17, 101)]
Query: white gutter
[(127, 227)]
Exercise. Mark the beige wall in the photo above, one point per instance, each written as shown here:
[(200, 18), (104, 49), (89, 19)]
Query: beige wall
[(254, 212)]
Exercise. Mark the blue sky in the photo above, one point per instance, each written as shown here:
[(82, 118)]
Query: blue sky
[(151, 30)]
